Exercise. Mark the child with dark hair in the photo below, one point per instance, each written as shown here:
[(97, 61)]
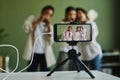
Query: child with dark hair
[(79, 34), (43, 53), (91, 52), (68, 35), (70, 14)]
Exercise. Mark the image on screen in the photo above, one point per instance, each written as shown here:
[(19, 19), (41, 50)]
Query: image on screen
[(74, 32)]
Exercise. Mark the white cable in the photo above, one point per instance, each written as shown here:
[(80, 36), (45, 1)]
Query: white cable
[(17, 63), (31, 57)]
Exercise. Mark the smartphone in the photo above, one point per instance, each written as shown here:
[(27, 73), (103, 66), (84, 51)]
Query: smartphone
[(72, 32)]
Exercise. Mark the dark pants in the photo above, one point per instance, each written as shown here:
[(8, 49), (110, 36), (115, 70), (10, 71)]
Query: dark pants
[(95, 64), (39, 59)]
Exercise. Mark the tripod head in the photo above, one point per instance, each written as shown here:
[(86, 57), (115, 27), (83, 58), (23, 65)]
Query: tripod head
[(73, 43)]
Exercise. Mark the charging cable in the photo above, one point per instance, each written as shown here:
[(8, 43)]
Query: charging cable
[(17, 63)]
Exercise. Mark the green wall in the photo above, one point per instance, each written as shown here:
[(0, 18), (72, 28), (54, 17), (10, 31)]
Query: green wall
[(14, 12)]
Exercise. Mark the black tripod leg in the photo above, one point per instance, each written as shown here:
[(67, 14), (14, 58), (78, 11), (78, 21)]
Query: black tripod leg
[(76, 65), (49, 74), (85, 68)]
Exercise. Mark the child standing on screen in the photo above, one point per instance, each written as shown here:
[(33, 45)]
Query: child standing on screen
[(68, 34), (79, 35)]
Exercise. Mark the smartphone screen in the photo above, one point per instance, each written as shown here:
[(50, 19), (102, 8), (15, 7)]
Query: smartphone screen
[(72, 32)]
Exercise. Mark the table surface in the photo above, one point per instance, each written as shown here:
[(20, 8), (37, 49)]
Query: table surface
[(59, 75)]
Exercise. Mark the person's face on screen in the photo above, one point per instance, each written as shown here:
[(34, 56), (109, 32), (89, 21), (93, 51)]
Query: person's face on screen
[(69, 28), (71, 16), (79, 29)]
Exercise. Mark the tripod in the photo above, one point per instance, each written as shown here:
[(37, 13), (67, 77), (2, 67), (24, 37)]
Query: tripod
[(72, 55)]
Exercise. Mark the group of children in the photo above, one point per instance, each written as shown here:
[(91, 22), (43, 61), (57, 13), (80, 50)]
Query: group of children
[(43, 53)]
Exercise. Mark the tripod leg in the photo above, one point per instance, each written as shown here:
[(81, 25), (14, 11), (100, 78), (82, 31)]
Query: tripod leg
[(49, 74), (85, 68), (76, 65)]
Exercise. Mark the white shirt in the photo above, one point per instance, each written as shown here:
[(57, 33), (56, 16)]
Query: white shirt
[(89, 50), (63, 45), (39, 46), (79, 36), (68, 35)]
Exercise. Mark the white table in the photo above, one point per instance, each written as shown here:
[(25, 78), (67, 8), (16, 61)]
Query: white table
[(61, 75)]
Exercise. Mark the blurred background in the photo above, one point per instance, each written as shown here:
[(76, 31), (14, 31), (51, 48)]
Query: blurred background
[(13, 13)]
